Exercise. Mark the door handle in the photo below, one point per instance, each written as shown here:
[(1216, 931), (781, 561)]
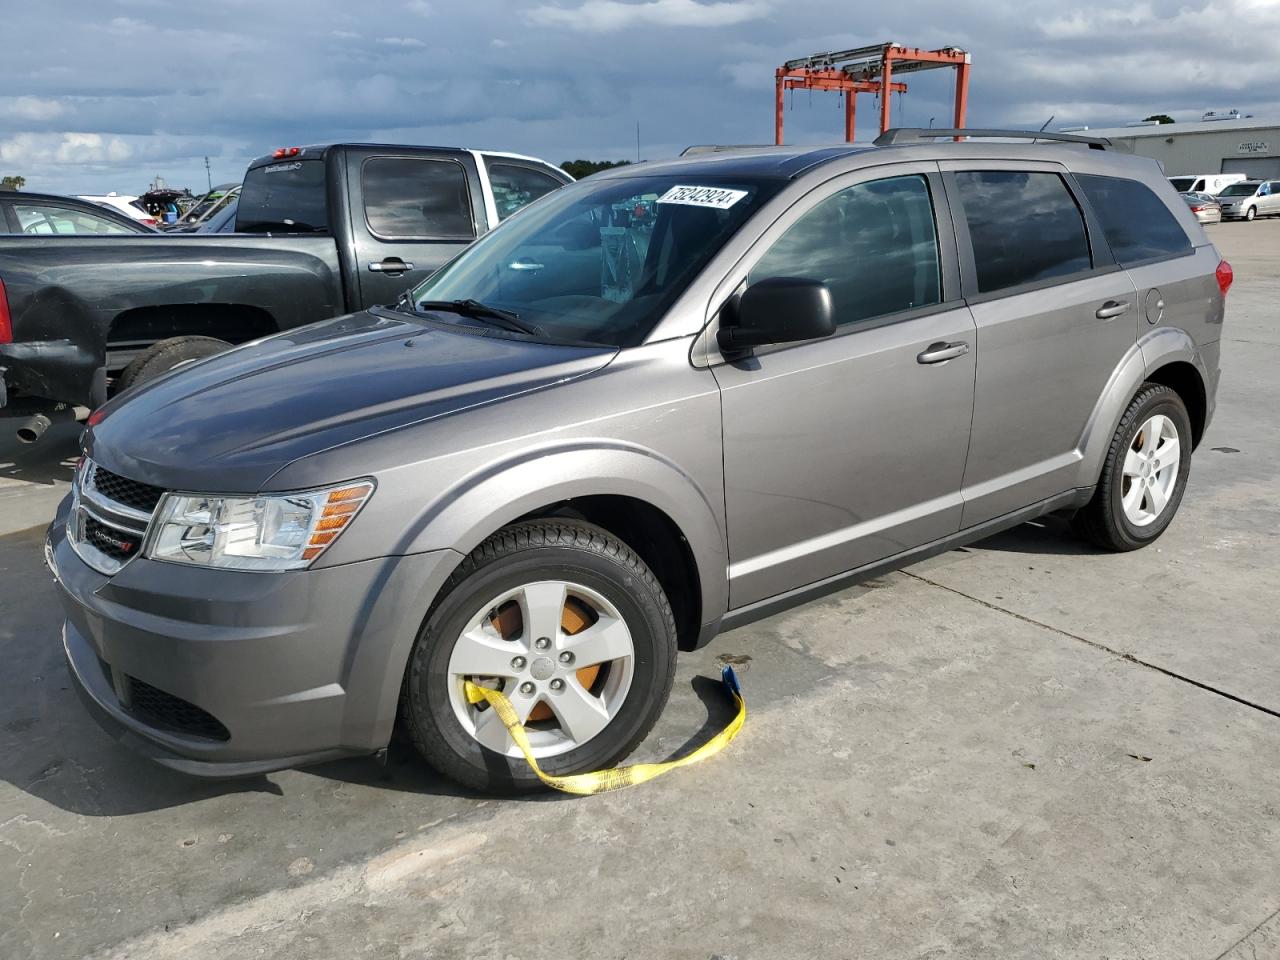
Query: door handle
[(942, 352), (524, 265), (390, 265), (1112, 309)]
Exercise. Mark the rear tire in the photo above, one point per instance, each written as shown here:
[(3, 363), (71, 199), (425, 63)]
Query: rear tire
[(630, 690), (164, 356), (1139, 492)]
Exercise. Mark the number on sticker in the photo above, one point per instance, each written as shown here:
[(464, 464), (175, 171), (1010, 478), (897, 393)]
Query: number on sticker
[(718, 198)]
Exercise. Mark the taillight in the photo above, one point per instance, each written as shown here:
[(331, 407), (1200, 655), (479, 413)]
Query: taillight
[(1225, 275), (1196, 209), (6, 321), (151, 221)]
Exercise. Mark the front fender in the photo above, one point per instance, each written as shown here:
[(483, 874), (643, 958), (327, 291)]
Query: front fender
[(461, 516), (1159, 348)]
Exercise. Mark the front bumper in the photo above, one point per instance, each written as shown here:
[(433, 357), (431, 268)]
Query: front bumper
[(228, 673)]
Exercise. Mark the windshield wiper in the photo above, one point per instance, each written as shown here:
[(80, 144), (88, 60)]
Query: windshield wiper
[(475, 310)]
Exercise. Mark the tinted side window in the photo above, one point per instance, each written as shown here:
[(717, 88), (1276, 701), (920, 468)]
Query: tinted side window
[(1137, 225), (515, 186), (60, 221), (874, 244), (1025, 227), (412, 199)]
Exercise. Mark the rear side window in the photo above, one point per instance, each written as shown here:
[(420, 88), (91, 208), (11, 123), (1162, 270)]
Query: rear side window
[(515, 186), (1025, 227), (1137, 225), (875, 245), (45, 221), (284, 197), (406, 198)]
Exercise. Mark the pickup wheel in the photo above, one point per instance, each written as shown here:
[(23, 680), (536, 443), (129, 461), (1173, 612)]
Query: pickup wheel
[(571, 626), (164, 356)]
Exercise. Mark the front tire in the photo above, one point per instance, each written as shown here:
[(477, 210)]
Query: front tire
[(1144, 475), (1251, 214), (571, 625)]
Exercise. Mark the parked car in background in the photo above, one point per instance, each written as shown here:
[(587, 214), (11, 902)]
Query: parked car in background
[(129, 206), (319, 231), (1250, 199), (224, 221), (664, 401), (208, 205), (1206, 208), (1211, 183), (48, 215)]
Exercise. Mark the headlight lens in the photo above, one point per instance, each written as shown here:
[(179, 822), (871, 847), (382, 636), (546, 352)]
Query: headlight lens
[(282, 531)]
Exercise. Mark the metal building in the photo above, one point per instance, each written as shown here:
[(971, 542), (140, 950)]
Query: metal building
[(1249, 146)]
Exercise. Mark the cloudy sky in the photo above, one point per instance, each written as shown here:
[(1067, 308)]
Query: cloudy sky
[(101, 95)]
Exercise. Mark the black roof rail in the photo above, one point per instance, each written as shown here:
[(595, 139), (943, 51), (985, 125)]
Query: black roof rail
[(898, 135)]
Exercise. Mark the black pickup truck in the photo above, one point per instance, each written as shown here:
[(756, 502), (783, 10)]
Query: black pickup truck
[(320, 231)]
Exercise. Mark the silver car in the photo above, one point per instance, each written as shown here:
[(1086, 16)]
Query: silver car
[(659, 403), (1250, 199), (1205, 207)]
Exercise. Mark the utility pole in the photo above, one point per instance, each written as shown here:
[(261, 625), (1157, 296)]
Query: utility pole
[(637, 141), (208, 175)]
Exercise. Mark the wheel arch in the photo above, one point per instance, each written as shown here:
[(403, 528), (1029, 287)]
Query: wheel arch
[(637, 495), (234, 322), (1166, 355)]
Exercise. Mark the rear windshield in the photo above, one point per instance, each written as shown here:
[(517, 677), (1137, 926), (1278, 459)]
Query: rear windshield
[(1240, 190), (1182, 184), (284, 197)]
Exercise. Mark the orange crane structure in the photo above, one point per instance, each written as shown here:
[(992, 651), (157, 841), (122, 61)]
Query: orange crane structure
[(868, 70)]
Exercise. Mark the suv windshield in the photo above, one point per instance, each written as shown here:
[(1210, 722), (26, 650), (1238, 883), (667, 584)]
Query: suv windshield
[(1240, 190), (601, 261), (284, 197)]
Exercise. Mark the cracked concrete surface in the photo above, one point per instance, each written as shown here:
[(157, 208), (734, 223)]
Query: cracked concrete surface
[(943, 762)]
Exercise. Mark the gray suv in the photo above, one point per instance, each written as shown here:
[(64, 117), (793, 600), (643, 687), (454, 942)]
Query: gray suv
[(653, 405)]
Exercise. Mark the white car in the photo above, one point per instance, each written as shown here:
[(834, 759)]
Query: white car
[(126, 204), (1210, 183)]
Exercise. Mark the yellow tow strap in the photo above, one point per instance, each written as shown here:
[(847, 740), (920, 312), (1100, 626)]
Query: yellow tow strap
[(602, 781)]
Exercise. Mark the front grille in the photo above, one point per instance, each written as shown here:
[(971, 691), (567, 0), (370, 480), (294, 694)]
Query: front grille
[(131, 493), (120, 545), (164, 710)]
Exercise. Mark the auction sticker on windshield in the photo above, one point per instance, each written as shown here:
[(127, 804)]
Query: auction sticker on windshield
[(717, 198)]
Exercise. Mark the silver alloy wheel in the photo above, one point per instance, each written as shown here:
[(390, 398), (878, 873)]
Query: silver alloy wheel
[(542, 663), (1150, 470)]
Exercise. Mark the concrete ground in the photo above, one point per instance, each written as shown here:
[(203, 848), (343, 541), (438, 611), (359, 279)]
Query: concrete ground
[(1020, 749)]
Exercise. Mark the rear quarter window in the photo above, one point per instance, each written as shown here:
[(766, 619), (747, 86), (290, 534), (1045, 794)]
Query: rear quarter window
[(1137, 224)]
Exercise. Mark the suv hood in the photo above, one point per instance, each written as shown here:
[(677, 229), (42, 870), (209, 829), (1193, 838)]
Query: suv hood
[(227, 424)]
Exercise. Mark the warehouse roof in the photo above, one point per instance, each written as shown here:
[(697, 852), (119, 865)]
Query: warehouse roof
[(1171, 129)]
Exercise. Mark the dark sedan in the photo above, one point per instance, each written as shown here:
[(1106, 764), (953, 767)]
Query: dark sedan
[(48, 215)]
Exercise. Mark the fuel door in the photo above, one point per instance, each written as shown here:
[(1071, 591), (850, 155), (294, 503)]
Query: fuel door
[(1154, 306)]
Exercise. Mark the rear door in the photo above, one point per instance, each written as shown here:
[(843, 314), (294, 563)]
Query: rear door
[(1054, 317), (409, 214), (846, 450)]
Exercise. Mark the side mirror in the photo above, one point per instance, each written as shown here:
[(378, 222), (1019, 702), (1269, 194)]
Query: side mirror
[(777, 310)]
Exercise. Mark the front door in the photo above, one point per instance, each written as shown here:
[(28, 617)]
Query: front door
[(1055, 317), (409, 216), (842, 451)]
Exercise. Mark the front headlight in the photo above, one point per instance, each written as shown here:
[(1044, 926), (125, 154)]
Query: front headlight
[(271, 531)]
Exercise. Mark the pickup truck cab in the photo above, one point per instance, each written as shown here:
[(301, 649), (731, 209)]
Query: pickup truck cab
[(320, 231)]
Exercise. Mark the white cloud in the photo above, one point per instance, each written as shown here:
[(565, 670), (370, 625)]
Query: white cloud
[(420, 7), (30, 150), (344, 34), (602, 16), (401, 42), (31, 108)]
